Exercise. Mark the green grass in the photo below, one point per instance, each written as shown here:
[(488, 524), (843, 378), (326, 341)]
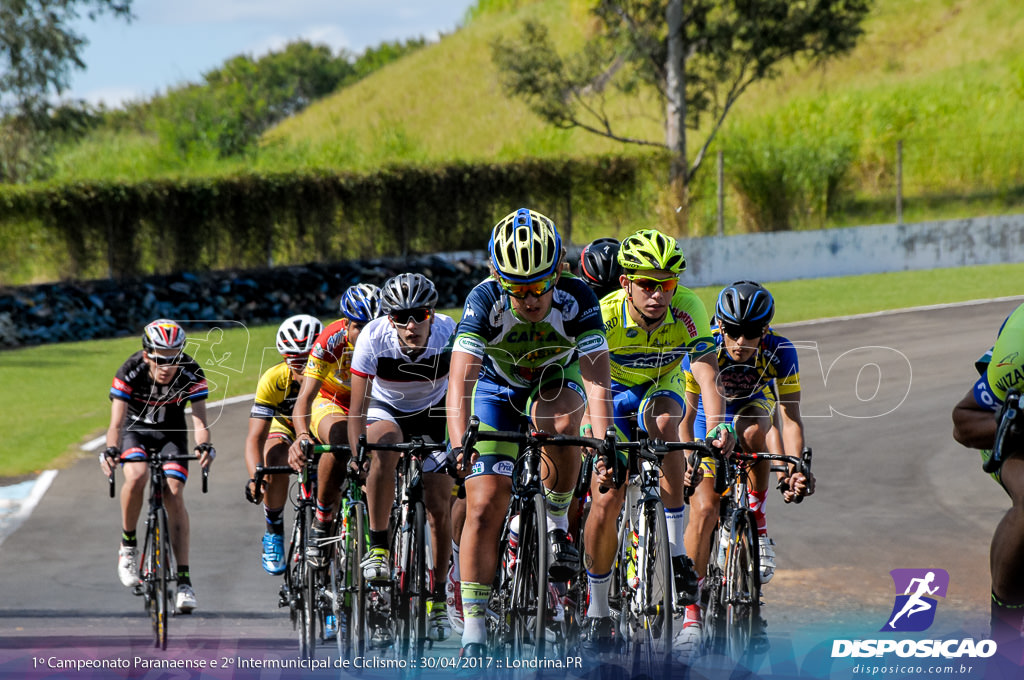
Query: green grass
[(944, 76), (61, 395)]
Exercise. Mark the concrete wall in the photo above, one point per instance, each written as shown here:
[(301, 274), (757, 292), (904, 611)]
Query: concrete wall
[(782, 256)]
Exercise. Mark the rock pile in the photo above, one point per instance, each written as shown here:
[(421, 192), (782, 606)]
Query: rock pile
[(88, 310)]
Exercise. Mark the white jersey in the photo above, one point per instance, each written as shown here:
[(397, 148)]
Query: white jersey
[(407, 384)]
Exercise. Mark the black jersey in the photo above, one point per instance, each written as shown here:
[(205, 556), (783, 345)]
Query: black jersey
[(157, 407)]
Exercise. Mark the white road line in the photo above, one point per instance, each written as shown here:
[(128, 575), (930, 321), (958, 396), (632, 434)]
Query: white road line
[(25, 507)]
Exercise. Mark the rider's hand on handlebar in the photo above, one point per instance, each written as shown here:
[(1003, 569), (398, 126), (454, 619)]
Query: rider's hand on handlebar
[(206, 454), (108, 459), (296, 452), (251, 494), (723, 437), (693, 475), (604, 474), (797, 485)]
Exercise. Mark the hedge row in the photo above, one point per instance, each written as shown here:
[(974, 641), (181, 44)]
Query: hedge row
[(123, 229)]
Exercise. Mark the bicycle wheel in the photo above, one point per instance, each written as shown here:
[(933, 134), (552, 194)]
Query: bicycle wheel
[(651, 606), (295, 581), (715, 593), (309, 594), (528, 614), (743, 579), (413, 587), (161, 551), (355, 549)]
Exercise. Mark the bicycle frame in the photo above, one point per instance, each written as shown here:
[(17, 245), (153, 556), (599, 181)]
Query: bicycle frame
[(156, 560), (413, 568), (520, 600)]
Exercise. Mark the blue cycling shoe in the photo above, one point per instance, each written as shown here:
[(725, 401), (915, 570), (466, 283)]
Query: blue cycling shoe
[(273, 553)]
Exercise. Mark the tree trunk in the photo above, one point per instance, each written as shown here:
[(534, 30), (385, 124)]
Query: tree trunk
[(675, 114)]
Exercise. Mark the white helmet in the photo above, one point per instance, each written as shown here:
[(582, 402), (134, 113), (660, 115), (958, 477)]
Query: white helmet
[(297, 334), (163, 334)]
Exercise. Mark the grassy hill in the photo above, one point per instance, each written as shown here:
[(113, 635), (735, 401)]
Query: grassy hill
[(944, 76)]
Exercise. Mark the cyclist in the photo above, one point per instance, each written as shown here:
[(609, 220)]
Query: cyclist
[(530, 348), (599, 266), (147, 412), (753, 363), (271, 431), (321, 409), (399, 379), (651, 323), (1002, 371)]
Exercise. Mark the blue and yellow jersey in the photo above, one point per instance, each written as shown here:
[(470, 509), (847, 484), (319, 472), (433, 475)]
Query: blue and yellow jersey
[(515, 351), (639, 357), (775, 362), (1002, 367)]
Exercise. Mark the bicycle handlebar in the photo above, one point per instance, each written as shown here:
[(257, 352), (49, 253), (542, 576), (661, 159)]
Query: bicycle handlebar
[(474, 435), (155, 459), (1008, 417)]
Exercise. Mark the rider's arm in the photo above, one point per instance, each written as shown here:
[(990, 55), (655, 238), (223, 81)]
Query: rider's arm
[(357, 406), (201, 430), (118, 409), (462, 377), (705, 372), (595, 369), (973, 426), (255, 439)]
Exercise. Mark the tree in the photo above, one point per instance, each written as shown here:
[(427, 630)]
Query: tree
[(38, 51), (697, 56)]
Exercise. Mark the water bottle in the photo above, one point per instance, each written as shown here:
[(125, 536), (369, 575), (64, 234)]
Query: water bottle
[(513, 545), (631, 573), (723, 541)]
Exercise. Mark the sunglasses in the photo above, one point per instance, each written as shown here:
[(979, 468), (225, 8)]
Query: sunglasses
[(164, 361), (521, 291), (649, 285), (401, 317), (748, 332)]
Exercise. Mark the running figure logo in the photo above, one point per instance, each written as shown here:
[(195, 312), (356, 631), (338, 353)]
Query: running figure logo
[(914, 610)]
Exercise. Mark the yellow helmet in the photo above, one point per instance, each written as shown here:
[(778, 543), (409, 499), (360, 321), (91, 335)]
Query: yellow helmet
[(651, 249), (525, 246)]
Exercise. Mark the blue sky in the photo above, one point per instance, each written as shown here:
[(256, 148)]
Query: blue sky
[(169, 43)]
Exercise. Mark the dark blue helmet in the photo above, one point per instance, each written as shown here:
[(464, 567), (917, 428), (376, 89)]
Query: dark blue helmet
[(745, 304)]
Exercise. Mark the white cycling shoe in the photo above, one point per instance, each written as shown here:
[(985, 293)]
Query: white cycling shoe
[(185, 599), (128, 565), (766, 552)]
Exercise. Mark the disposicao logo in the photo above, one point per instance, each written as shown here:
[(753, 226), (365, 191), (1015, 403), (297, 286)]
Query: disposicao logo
[(914, 609)]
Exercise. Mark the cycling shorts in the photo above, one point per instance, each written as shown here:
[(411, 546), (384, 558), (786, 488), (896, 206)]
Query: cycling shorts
[(430, 423), (630, 401), (135, 443), (322, 408), (762, 403), (278, 430), (503, 407)]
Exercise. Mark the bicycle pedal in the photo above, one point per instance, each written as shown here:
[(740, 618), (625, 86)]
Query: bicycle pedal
[(138, 590)]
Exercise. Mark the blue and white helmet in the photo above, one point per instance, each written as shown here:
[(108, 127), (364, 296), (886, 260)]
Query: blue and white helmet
[(361, 303)]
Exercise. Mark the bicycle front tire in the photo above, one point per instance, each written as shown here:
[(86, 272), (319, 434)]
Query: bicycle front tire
[(529, 594), (161, 552), (743, 579), (651, 605)]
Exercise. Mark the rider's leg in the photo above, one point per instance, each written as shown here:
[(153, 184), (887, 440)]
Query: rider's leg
[(437, 493), (487, 498), (1007, 556), (177, 518), (331, 427), (380, 480)]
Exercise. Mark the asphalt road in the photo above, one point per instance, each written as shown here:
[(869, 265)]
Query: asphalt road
[(894, 491)]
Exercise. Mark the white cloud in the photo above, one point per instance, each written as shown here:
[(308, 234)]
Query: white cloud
[(332, 36)]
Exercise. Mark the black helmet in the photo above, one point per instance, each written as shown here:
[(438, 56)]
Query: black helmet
[(746, 306), (599, 266)]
